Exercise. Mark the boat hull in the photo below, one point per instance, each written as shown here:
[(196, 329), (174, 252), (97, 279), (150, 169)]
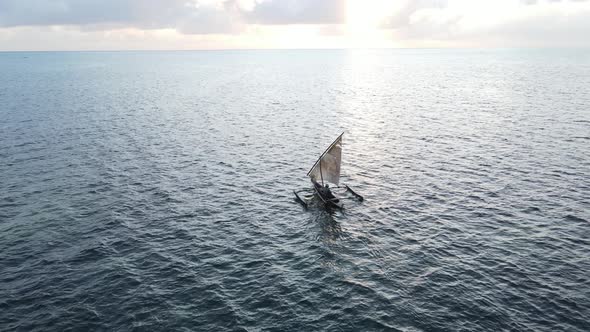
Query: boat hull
[(329, 202)]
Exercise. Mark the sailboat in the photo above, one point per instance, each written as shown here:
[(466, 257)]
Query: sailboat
[(324, 172)]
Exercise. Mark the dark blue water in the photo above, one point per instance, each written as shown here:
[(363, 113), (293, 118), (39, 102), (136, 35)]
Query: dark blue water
[(152, 191)]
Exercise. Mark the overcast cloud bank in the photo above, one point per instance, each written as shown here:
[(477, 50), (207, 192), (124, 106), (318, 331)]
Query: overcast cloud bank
[(409, 22)]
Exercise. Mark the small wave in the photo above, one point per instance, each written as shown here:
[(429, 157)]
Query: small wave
[(571, 217)]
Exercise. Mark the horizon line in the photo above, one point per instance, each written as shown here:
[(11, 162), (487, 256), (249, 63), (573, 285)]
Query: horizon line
[(306, 49)]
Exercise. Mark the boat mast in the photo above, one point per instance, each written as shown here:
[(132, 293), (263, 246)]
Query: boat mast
[(321, 176)]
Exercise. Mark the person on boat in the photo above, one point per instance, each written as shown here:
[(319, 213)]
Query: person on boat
[(325, 192)]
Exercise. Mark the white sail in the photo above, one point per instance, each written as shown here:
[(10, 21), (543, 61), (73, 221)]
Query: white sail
[(327, 168)]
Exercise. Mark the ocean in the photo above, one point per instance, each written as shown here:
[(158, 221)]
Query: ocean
[(152, 191)]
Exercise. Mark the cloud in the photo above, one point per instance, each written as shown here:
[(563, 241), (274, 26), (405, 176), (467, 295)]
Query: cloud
[(534, 2), (402, 15), (504, 23), (151, 24), (421, 19), (190, 17), (207, 20), (72, 12), (542, 30), (108, 14), (298, 12)]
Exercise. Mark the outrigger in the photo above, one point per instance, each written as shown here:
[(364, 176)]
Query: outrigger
[(326, 170)]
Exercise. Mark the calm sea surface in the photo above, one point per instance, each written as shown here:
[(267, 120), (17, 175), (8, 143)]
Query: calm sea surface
[(152, 191)]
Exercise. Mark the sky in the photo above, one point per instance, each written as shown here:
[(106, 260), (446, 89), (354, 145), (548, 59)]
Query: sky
[(253, 24)]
